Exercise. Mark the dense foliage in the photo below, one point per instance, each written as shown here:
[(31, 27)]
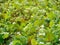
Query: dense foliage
[(29, 22)]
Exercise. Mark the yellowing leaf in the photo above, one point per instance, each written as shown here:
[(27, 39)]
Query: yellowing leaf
[(51, 23), (33, 42)]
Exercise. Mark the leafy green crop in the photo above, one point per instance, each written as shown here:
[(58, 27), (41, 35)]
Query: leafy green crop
[(29, 22)]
